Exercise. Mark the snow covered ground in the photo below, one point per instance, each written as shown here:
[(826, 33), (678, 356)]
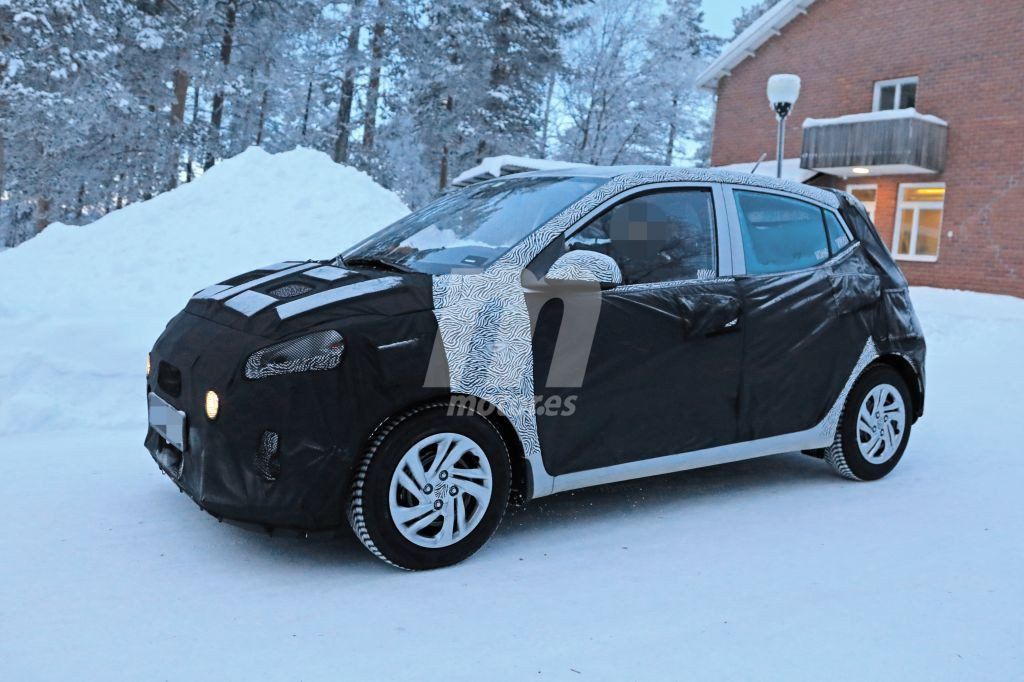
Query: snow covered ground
[(768, 569)]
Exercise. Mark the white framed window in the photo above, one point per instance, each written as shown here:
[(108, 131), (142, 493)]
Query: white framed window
[(918, 225), (897, 93), (867, 195)]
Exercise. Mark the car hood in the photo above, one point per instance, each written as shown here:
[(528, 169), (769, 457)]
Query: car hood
[(285, 297)]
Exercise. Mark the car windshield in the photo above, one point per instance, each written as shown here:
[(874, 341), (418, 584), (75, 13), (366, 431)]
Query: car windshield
[(470, 228)]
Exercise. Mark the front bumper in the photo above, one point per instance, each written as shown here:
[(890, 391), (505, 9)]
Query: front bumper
[(169, 461), (220, 463), (225, 482)]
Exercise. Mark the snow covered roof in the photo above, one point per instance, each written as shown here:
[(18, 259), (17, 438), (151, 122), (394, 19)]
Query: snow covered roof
[(496, 166), (886, 115), (791, 169), (626, 177), (766, 26)]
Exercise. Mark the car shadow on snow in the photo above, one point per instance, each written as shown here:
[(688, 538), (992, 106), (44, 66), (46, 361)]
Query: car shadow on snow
[(638, 499), (719, 484), (324, 551)]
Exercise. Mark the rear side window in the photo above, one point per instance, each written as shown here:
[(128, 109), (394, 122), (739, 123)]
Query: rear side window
[(780, 233)]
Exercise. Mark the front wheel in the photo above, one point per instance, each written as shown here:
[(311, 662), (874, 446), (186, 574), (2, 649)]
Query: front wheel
[(874, 428), (432, 488)]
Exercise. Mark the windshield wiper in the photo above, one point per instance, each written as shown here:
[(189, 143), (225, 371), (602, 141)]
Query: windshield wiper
[(378, 262)]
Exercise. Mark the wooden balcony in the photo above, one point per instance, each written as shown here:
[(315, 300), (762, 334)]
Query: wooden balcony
[(875, 143)]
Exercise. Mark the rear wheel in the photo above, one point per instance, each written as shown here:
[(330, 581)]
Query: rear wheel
[(875, 426), (432, 488)]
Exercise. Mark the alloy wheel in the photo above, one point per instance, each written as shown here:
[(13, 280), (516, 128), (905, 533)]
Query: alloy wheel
[(881, 421), (440, 490)]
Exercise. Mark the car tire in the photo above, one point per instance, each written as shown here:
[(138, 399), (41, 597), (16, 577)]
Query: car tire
[(874, 429), (457, 503)]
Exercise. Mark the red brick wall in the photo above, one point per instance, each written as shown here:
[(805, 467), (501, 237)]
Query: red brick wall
[(969, 58)]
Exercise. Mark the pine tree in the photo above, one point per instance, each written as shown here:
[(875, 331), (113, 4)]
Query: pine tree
[(58, 89), (678, 49), (750, 14), (107, 102), (524, 51)]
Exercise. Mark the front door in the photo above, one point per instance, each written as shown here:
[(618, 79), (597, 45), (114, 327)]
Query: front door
[(650, 367)]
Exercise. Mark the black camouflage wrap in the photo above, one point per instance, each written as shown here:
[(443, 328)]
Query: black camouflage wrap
[(674, 367), (323, 419)]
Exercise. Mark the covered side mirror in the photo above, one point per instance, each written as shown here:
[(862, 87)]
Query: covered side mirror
[(585, 266)]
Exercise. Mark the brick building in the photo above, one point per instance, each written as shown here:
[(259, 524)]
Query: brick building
[(915, 106)]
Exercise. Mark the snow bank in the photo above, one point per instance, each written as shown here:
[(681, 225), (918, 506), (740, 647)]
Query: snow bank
[(81, 306)]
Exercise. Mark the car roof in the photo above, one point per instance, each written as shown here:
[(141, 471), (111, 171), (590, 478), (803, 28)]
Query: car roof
[(640, 174)]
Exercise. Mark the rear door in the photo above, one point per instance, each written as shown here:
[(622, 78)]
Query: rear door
[(663, 360), (799, 346)]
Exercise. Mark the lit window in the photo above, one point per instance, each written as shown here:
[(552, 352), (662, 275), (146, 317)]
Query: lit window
[(919, 221), (898, 93), (867, 195)]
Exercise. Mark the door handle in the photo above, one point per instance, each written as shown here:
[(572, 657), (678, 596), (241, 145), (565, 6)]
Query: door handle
[(704, 314)]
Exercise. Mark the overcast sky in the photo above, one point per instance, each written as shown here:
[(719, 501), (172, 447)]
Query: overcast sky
[(718, 15)]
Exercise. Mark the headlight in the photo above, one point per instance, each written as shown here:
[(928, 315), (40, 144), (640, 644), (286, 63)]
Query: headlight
[(319, 351), (149, 364)]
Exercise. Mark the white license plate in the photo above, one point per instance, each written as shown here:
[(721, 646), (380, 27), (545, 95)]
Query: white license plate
[(167, 421)]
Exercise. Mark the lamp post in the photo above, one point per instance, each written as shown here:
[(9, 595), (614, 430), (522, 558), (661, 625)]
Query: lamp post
[(783, 90)]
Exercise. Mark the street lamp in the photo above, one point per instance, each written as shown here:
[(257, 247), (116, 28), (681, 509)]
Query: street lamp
[(783, 89)]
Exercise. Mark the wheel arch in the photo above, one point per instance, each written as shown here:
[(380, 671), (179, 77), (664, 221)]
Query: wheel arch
[(909, 372), (521, 481)]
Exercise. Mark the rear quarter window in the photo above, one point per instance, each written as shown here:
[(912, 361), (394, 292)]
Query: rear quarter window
[(838, 236)]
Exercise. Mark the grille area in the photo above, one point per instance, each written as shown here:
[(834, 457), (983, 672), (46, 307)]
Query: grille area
[(169, 378), (267, 461), (171, 461), (291, 290)]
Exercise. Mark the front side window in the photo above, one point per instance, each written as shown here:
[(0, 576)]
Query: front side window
[(473, 227), (781, 233), (919, 221), (898, 93), (663, 236)]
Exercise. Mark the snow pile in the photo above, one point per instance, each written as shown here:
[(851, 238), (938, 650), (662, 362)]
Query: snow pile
[(82, 306)]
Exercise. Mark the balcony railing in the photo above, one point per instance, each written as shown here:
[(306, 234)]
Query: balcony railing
[(882, 142)]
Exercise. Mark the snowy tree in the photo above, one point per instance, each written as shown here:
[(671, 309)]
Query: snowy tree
[(107, 102), (678, 50), (446, 83), (628, 95), (601, 94), (58, 88), (750, 14), (524, 53)]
